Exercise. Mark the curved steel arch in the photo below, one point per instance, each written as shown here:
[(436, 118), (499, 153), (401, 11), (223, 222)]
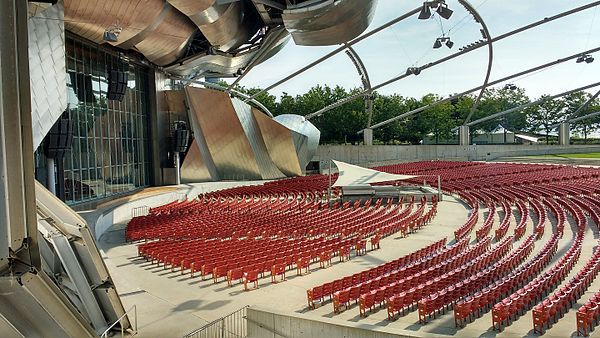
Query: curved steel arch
[(364, 78), (487, 37)]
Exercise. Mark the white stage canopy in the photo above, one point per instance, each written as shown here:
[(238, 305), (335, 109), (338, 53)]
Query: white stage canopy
[(353, 175)]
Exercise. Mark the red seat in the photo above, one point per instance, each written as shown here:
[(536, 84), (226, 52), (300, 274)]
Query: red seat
[(251, 277)]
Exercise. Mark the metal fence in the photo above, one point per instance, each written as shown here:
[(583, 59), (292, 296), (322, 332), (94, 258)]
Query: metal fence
[(140, 211), (231, 326)]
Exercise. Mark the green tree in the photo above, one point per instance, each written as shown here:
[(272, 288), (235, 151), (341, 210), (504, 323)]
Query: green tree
[(576, 100), (544, 115)]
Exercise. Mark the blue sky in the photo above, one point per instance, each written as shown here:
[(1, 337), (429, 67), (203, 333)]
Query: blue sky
[(409, 43)]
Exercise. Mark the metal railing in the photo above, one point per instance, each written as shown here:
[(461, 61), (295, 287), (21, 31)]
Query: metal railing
[(134, 327), (231, 326), (143, 210)]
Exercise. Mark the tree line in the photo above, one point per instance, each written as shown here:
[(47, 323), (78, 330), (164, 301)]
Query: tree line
[(340, 125)]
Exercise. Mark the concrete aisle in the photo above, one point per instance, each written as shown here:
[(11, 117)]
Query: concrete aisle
[(171, 305)]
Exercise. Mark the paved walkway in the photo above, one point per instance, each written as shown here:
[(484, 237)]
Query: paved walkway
[(171, 305)]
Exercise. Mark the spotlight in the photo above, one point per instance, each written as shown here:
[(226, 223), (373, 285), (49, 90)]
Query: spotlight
[(413, 70), (437, 44), (444, 11), (425, 11), (112, 33), (587, 58), (449, 43)]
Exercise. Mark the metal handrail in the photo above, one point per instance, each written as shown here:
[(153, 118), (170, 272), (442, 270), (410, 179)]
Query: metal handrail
[(135, 331), (216, 322)]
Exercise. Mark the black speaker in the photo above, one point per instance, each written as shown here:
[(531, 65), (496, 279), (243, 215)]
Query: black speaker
[(180, 140), (117, 84), (59, 138)]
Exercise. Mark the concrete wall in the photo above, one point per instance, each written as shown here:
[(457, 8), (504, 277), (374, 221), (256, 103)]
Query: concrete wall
[(375, 155), (101, 219), (264, 323)]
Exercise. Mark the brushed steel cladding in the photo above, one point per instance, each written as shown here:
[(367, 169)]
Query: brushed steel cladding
[(225, 26), (301, 145), (305, 150), (229, 64), (166, 42), (329, 22), (193, 168), (267, 168), (154, 27), (47, 69), (214, 117), (280, 144)]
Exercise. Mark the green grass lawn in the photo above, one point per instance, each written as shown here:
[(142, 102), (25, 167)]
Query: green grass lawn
[(582, 155)]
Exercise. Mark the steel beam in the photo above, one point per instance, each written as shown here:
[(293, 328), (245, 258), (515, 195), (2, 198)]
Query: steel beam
[(580, 118), (455, 96), (18, 226), (340, 49), (418, 70), (508, 111)]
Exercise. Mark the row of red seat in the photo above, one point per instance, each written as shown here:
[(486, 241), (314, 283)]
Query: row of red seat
[(318, 292), (430, 275), (466, 227), (494, 265), (486, 227), (481, 301), (510, 307), (547, 312), (588, 315)]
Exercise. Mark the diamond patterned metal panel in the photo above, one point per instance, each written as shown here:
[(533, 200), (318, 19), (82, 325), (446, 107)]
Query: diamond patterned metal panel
[(47, 69)]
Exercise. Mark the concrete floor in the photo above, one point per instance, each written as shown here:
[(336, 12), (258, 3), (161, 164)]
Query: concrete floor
[(170, 305)]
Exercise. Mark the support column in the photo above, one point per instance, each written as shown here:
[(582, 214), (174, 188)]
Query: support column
[(177, 168), (368, 136), (464, 137), (564, 134), (51, 175)]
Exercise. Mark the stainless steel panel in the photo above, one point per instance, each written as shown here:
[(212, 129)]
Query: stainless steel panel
[(63, 249), (301, 144), (328, 22), (36, 308), (165, 31), (306, 150), (267, 169), (193, 168), (280, 144), (228, 64), (47, 69), (225, 138), (167, 41), (87, 257), (225, 26)]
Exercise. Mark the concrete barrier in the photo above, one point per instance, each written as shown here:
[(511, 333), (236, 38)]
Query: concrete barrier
[(101, 219), (384, 154), (271, 323)]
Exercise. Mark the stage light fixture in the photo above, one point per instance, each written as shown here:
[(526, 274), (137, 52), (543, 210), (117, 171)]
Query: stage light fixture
[(425, 11), (444, 11)]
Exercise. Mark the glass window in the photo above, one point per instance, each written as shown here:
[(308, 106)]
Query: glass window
[(110, 151)]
